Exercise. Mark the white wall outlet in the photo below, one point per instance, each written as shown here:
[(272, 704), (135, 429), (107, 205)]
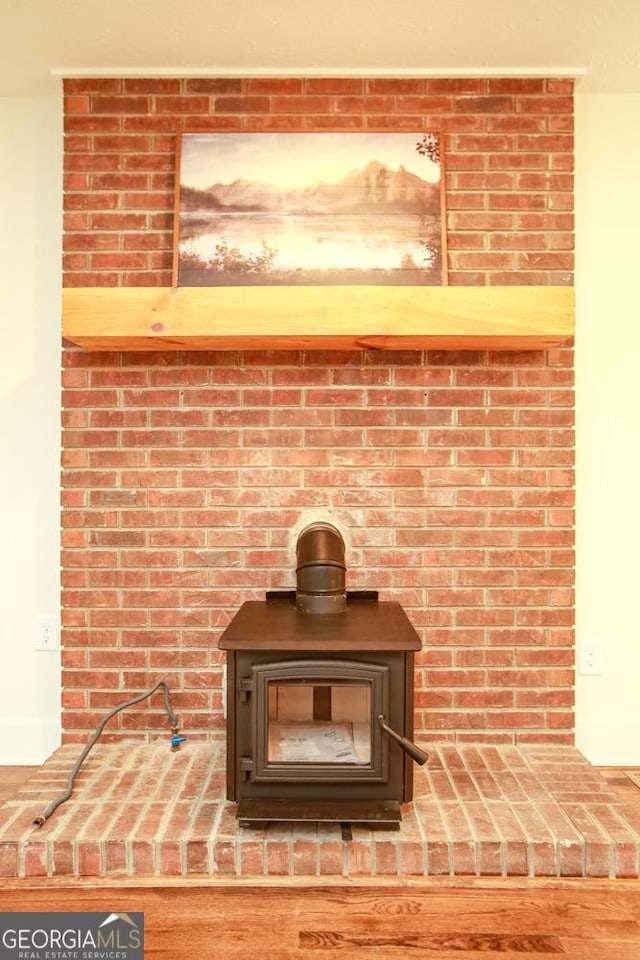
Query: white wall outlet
[(47, 632), (591, 660)]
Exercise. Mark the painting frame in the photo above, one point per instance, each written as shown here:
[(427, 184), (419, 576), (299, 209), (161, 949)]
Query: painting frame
[(340, 216)]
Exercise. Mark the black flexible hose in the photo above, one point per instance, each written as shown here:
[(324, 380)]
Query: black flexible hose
[(53, 806)]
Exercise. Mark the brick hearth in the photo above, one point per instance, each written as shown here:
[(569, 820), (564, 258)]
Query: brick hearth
[(141, 810)]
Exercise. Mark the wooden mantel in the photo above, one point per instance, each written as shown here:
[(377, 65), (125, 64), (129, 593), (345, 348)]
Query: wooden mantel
[(318, 318)]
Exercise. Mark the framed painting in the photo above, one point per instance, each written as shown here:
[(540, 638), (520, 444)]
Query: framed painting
[(267, 209)]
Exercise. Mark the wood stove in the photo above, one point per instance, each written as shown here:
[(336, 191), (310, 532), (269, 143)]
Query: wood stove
[(320, 698)]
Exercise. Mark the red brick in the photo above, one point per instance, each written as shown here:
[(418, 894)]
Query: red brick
[(559, 85), (147, 201), (75, 261), (156, 123), (151, 85), (546, 181), (483, 143), (35, 859), (120, 105), (92, 85), (75, 181), (379, 122), (557, 104), (90, 123), (90, 201), (89, 859), (359, 858), (75, 221), (275, 85), (9, 860), (76, 143), (516, 123), (192, 104), (485, 104), (459, 85), (119, 181), (119, 221), (149, 162), (365, 105), (121, 144), (547, 143), (240, 104), (416, 104), (331, 857), (213, 85), (96, 241), (495, 465), (115, 857), (516, 85)]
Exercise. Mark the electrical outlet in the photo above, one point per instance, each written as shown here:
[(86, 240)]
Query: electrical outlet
[(591, 661), (47, 632)]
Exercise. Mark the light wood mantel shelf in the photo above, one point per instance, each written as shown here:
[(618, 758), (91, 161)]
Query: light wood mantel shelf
[(318, 318)]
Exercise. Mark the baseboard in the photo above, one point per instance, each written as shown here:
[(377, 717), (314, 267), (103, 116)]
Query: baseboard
[(613, 742), (27, 742)]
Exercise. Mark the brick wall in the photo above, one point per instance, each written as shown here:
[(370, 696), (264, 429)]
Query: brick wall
[(185, 474)]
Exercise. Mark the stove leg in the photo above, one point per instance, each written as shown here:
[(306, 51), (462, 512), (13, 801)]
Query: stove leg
[(347, 832)]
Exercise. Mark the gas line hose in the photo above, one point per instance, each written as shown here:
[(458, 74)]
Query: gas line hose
[(176, 740)]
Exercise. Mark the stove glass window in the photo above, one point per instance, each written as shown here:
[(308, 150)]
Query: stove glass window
[(321, 722)]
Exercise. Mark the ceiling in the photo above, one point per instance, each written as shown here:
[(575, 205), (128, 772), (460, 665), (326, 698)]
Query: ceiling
[(42, 40)]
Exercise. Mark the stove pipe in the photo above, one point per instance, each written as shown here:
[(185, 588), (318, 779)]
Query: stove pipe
[(320, 570)]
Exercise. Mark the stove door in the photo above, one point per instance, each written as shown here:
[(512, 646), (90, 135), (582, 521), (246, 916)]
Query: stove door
[(316, 720)]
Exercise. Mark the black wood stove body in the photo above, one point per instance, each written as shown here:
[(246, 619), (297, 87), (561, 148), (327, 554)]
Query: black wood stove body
[(320, 698)]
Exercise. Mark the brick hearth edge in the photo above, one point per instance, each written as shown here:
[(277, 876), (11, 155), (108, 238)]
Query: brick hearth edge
[(140, 810)]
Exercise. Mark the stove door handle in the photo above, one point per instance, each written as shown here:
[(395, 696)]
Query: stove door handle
[(414, 752)]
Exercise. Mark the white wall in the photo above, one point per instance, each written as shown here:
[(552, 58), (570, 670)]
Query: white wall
[(608, 423), (30, 245)]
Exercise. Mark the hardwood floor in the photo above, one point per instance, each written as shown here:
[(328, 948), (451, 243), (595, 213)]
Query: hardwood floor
[(294, 919), (625, 781), (576, 920)]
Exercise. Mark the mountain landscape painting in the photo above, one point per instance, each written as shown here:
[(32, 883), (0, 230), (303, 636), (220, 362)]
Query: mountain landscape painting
[(309, 209)]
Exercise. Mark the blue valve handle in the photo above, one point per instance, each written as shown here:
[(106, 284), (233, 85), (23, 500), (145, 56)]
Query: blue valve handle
[(176, 740)]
